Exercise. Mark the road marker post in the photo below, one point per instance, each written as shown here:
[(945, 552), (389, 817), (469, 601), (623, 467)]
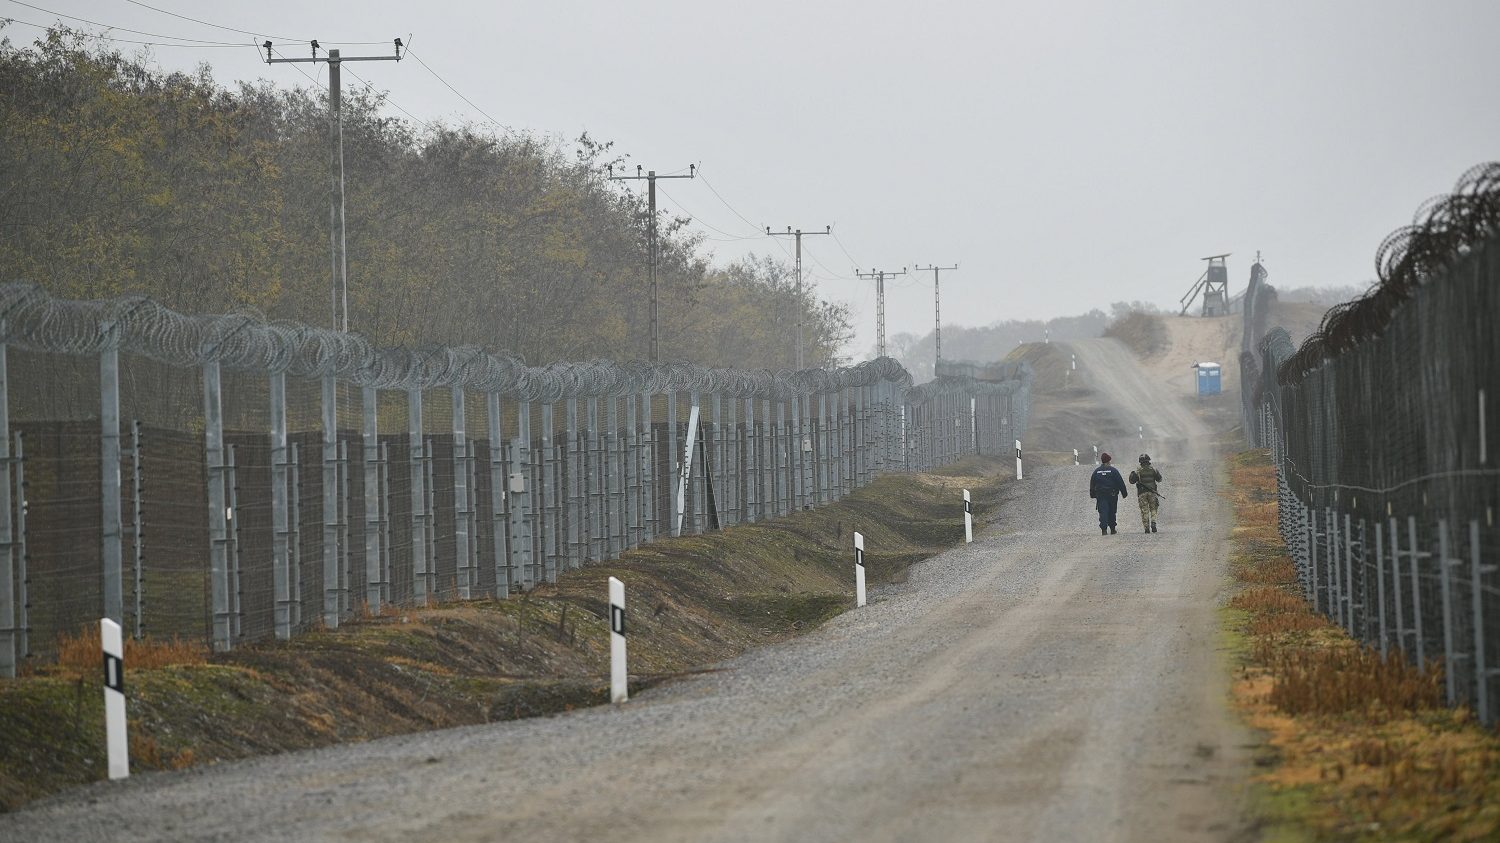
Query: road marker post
[(1075, 456), (968, 519), (859, 568), (619, 683), (114, 699), (1096, 455), (1018, 460)]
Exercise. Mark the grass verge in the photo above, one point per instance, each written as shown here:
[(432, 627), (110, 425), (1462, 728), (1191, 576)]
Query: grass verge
[(693, 601), (1359, 747)]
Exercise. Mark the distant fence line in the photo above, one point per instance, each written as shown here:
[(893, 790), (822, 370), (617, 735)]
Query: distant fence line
[(1382, 426), (231, 479)]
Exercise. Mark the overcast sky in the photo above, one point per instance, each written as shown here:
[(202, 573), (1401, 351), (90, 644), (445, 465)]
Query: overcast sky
[(1064, 154)]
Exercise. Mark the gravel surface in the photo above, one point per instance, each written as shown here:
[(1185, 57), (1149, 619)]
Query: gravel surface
[(1043, 683)]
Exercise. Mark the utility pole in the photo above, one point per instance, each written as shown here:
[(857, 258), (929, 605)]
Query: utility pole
[(937, 313), (827, 229), (337, 239), (879, 275), (650, 178)]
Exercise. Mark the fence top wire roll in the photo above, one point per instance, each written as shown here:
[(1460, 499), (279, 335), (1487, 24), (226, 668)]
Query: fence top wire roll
[(245, 341), (1444, 229)]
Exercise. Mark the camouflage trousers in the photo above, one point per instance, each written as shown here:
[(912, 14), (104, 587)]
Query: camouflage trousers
[(1149, 505)]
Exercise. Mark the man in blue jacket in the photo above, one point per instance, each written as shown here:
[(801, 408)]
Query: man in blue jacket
[(1104, 485)]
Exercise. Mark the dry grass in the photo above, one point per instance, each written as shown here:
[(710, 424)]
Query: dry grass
[(82, 653), (1268, 600), (1344, 679), (1364, 747)]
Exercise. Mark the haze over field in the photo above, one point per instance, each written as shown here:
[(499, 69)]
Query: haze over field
[(1061, 153)]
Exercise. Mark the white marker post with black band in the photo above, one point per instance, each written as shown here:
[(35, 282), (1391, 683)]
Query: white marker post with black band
[(114, 699), (1018, 459), (1096, 455), (859, 568), (1075, 456), (619, 682), (968, 519)]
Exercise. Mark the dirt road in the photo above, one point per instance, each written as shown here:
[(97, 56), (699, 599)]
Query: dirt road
[(1043, 683)]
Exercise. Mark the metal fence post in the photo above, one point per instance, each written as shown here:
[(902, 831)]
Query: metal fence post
[(1476, 590), (497, 497), (109, 478), (574, 482), (595, 485), (548, 502), (295, 543), (632, 455), (416, 464), (330, 503), (1379, 581), (646, 467), (465, 577), (797, 455), (383, 487), (1349, 578), (1450, 674), (23, 558), (1312, 556), (1416, 590), (614, 491), (281, 560), (525, 501), (369, 400), (232, 516), (8, 637), (751, 480), (218, 530), (346, 549), (1398, 614)]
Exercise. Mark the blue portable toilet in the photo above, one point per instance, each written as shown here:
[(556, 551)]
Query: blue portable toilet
[(1208, 379)]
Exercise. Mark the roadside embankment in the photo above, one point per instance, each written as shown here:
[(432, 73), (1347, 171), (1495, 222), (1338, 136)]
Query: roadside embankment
[(693, 602), (1358, 747)]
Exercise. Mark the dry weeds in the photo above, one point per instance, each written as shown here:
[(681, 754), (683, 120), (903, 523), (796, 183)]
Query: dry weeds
[(82, 653), (1364, 747)]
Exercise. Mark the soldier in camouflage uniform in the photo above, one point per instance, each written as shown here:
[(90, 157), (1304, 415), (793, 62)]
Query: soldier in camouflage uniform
[(1145, 479)]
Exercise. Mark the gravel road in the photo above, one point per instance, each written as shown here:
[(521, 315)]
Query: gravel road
[(1043, 683)]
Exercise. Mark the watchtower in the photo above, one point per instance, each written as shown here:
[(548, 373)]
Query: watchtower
[(1214, 282)]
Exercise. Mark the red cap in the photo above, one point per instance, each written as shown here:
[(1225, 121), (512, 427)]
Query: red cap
[(1104, 457)]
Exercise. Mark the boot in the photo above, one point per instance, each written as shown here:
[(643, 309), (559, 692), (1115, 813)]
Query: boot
[(1153, 526), (1111, 530), (1103, 531), (1148, 528)]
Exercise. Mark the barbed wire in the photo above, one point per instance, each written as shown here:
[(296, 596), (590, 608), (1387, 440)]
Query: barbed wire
[(1444, 229), (244, 340)]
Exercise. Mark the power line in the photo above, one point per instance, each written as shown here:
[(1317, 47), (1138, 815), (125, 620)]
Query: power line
[(386, 97), (731, 208), (127, 29), (435, 75), (698, 219), (100, 35), (216, 25)]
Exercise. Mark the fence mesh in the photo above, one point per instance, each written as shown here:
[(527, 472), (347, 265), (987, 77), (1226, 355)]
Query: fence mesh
[(226, 479), (1381, 425)]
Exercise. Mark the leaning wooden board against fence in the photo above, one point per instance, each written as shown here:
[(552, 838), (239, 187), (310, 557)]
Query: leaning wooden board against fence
[(228, 479), (1380, 427)]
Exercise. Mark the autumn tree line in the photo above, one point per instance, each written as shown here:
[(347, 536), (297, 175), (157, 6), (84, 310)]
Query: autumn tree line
[(117, 177)]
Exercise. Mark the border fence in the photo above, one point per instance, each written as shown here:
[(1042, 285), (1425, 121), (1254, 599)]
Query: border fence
[(1381, 426), (228, 479)]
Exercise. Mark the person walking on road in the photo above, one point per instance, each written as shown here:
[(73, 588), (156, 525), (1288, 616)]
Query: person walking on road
[(1145, 479), (1105, 484)]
